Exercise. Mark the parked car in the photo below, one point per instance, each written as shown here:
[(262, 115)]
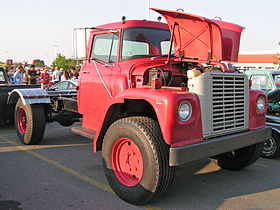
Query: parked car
[(6, 110), (66, 85), (269, 81), (265, 80)]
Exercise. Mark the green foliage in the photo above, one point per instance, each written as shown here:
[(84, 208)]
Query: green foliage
[(8, 65), (66, 63), (2, 65), (278, 61), (39, 63)]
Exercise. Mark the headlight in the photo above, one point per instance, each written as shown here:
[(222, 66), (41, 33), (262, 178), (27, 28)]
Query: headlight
[(185, 111), (260, 104)]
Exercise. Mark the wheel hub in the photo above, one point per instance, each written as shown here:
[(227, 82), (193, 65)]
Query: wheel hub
[(21, 120), (269, 147), (127, 162)]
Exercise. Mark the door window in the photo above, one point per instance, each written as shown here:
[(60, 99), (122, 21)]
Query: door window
[(105, 47)]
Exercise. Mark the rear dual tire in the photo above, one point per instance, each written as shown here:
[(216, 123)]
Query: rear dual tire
[(29, 122)]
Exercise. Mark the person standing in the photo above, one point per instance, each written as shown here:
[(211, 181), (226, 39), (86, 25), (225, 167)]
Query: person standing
[(45, 79), (65, 76), (60, 73), (38, 76), (25, 77), (74, 74), (19, 75), (55, 75), (32, 74)]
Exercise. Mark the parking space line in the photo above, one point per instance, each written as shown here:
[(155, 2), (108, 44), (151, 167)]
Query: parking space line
[(263, 165), (7, 134), (68, 170), (47, 129)]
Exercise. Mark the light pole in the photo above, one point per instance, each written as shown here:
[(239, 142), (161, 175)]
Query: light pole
[(148, 9), (55, 49)]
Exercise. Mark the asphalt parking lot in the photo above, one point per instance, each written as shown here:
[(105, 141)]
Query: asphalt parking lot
[(64, 173)]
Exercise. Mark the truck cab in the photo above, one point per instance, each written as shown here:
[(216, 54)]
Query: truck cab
[(153, 96)]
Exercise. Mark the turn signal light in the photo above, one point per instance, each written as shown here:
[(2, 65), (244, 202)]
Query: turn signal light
[(156, 83)]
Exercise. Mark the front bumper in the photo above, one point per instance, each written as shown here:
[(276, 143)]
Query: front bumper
[(216, 146)]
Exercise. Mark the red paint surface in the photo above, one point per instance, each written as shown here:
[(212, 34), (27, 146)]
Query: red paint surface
[(197, 37), (124, 80), (127, 162), (21, 120), (256, 119)]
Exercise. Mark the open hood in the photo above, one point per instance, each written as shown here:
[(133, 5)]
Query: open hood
[(200, 38)]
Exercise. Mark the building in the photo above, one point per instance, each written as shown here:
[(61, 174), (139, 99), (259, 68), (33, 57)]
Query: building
[(258, 60)]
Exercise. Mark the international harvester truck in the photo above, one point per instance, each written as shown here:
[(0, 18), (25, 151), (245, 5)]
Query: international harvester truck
[(153, 96)]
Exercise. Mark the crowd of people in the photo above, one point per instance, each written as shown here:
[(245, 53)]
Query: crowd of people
[(46, 78)]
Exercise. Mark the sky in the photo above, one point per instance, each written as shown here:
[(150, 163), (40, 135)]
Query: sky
[(39, 29)]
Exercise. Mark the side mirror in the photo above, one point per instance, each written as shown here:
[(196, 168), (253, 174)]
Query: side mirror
[(80, 43)]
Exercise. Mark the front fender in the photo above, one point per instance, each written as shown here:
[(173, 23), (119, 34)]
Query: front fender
[(256, 119), (29, 96), (165, 103)]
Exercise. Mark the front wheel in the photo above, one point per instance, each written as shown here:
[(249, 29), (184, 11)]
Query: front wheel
[(136, 160), (240, 158), (29, 122), (271, 147)]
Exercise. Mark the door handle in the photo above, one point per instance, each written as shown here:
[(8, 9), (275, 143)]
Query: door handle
[(85, 72)]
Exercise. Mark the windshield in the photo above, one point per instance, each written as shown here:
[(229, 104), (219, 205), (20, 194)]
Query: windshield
[(145, 42), (276, 78), (2, 76)]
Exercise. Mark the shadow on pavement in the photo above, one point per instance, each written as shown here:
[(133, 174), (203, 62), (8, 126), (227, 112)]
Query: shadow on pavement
[(11, 205)]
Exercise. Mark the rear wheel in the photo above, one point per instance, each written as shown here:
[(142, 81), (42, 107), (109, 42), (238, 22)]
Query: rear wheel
[(29, 122), (240, 158), (136, 160), (271, 147)]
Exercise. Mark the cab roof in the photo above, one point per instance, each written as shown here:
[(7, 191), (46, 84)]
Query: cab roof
[(263, 71), (134, 23)]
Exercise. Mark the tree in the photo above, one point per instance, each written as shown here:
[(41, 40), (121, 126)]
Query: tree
[(8, 65), (17, 64), (66, 63), (39, 63), (2, 65), (278, 61)]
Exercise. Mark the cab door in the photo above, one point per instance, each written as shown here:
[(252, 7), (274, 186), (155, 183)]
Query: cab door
[(95, 92)]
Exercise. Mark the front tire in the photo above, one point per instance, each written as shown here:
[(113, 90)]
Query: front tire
[(271, 147), (29, 122), (240, 158), (136, 160)]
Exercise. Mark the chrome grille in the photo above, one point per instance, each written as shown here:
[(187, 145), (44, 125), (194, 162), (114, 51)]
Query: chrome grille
[(229, 102)]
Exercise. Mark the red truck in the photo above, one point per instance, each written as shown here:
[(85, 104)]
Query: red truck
[(153, 96)]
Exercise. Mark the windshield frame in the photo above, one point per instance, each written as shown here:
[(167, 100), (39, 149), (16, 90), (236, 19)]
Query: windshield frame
[(144, 56), (4, 75), (273, 78)]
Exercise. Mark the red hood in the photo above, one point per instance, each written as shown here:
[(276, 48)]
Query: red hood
[(200, 38)]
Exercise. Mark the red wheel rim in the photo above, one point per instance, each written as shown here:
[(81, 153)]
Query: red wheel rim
[(127, 162), (21, 120)]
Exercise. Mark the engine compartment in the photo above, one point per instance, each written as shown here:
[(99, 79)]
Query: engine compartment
[(176, 75)]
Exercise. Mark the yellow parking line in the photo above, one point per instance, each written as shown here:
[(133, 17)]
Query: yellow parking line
[(68, 170), (7, 134), (263, 165), (48, 129)]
